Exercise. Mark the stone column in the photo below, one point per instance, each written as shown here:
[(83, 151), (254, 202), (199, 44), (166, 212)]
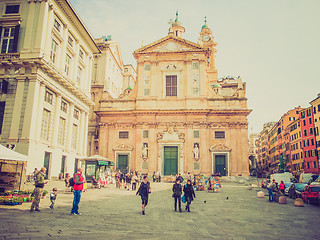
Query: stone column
[(69, 127), (82, 131), (40, 110), (29, 27), (31, 109), (17, 108), (42, 27), (56, 118), (85, 135)]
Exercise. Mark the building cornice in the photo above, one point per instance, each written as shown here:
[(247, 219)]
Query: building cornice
[(206, 112)]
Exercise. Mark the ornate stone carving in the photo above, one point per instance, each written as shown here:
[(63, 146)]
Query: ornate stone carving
[(219, 148), (122, 147)]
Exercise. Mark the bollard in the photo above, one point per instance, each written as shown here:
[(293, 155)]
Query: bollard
[(260, 194), (298, 202), (282, 200)]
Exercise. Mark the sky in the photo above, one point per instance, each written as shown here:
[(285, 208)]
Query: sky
[(274, 45)]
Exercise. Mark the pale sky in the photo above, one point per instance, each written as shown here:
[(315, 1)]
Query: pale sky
[(274, 45)]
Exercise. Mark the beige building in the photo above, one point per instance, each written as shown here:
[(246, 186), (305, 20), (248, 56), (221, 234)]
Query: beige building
[(108, 67), (45, 71), (129, 77), (179, 117)]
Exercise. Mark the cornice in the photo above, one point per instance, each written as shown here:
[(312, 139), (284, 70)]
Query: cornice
[(207, 112)]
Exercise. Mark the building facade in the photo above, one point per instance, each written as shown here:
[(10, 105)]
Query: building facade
[(311, 164), (108, 68), (179, 117), (316, 116), (46, 65)]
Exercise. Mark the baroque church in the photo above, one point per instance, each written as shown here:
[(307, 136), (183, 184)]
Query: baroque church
[(179, 117)]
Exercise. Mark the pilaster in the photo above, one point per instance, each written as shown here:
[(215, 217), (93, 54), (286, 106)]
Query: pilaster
[(17, 108), (69, 128), (31, 109), (55, 125), (42, 27)]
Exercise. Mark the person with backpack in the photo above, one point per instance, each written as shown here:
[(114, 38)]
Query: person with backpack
[(144, 191), (39, 182), (78, 181)]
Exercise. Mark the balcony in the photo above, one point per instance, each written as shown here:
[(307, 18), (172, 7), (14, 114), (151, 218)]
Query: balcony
[(9, 56)]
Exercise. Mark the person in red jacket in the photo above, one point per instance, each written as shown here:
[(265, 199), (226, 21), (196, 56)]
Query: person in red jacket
[(77, 189), (282, 187)]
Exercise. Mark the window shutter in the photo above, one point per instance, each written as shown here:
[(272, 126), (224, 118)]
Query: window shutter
[(0, 34), (16, 38)]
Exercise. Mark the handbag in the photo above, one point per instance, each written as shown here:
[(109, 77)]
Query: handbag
[(183, 199)]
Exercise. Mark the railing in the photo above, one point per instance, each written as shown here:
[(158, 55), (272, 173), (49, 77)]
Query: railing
[(7, 56)]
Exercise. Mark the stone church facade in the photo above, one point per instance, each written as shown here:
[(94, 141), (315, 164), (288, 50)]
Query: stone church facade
[(179, 117)]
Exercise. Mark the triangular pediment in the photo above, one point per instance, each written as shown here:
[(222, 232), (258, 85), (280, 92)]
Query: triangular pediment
[(170, 44)]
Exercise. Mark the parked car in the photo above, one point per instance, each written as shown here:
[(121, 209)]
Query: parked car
[(316, 182), (310, 194)]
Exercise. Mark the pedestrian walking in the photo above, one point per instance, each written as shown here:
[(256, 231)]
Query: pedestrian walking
[(189, 194), (177, 191), (282, 186), (77, 190), (144, 191), (53, 197), (128, 181), (134, 181), (271, 187), (38, 190)]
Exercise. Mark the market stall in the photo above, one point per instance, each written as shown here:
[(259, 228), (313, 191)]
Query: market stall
[(94, 165), (12, 169)]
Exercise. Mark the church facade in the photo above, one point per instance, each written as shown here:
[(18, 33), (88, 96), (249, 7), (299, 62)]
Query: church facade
[(179, 117)]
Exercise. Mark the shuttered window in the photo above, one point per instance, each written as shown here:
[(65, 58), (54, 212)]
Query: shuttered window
[(171, 85)]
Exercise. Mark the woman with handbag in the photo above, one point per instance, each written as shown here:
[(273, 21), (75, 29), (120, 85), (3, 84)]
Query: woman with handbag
[(189, 194), (177, 191), (144, 191)]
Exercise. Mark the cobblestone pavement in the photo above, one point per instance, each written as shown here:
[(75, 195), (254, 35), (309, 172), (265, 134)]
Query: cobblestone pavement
[(110, 213)]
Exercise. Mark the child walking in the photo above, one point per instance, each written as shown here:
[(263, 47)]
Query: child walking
[(53, 196)]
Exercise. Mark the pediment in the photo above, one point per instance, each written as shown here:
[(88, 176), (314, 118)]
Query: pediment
[(122, 147), (170, 44), (219, 148)]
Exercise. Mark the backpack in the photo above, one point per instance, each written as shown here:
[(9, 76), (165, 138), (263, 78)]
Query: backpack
[(71, 182)]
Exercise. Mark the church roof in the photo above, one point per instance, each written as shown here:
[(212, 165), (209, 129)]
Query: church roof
[(170, 44)]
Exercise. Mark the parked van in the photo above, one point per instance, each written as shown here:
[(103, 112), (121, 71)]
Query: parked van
[(278, 177)]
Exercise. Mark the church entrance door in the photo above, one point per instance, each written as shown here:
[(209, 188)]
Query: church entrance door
[(220, 164), (122, 163), (170, 160)]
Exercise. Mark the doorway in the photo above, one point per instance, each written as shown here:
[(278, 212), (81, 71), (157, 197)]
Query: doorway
[(46, 163), (170, 160), (220, 164), (122, 163)]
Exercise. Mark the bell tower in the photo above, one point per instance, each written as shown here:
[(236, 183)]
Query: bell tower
[(176, 27), (206, 40)]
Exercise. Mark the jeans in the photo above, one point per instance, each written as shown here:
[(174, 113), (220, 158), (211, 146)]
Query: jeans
[(76, 201), (177, 199), (271, 197)]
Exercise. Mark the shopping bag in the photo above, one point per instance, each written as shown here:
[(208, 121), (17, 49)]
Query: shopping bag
[(183, 199)]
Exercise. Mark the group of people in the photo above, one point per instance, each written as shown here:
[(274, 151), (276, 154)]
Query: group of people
[(272, 187), (188, 196), (127, 181), (131, 178)]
